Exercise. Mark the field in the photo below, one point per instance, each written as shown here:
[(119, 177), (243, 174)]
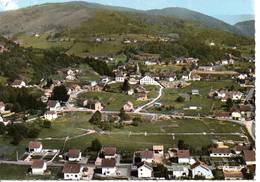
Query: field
[(207, 105)]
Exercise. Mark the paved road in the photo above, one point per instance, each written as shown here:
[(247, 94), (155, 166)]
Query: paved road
[(151, 102)]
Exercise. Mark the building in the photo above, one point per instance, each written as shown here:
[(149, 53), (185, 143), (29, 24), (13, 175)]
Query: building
[(249, 157), (220, 152), (141, 96), (233, 173), (201, 169), (35, 146), (147, 80), (108, 167), (144, 170), (109, 152), (93, 104), (128, 107), (183, 156), (222, 115), (177, 171), (120, 77), (4, 121), (72, 171), (144, 156), (2, 106), (53, 105), (18, 84), (158, 150), (38, 167), (50, 115), (238, 149), (195, 92), (74, 155)]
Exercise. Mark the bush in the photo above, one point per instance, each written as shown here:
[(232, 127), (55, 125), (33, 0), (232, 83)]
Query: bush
[(46, 124)]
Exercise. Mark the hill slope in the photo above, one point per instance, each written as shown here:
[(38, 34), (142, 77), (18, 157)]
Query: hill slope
[(189, 15), (247, 27)]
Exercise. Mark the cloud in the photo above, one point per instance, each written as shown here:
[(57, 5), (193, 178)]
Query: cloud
[(6, 5)]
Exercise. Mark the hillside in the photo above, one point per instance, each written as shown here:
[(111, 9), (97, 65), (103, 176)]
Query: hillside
[(233, 19), (247, 27), (189, 15)]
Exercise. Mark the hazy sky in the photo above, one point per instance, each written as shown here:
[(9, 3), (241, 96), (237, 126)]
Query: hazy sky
[(209, 7)]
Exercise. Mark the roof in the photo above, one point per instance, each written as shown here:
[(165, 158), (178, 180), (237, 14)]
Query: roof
[(34, 145), (199, 163), (71, 168), (50, 112), (146, 164), (145, 154), (158, 147), (2, 104), (245, 108), (232, 174), (74, 153), (37, 164), (183, 153), (249, 155), (240, 148), (17, 82), (52, 103), (108, 163), (222, 114), (109, 151), (221, 150)]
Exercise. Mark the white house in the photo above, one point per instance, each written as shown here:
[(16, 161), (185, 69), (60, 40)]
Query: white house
[(242, 76), (158, 150), (183, 156), (108, 167), (5, 122), (195, 92), (146, 156), (120, 77), (147, 80), (18, 84), (201, 169), (35, 146), (220, 152), (144, 170), (236, 115), (185, 77), (2, 106), (72, 171), (177, 171), (38, 167), (53, 105), (50, 115), (74, 155)]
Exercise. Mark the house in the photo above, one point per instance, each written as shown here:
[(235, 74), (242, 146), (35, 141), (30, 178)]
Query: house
[(158, 150), (109, 152), (5, 122), (72, 171), (205, 68), (195, 77), (93, 104), (177, 171), (238, 149), (249, 157), (241, 111), (74, 155), (120, 77), (142, 96), (183, 156), (242, 76), (35, 146), (222, 115), (147, 80), (2, 106), (93, 83), (104, 79), (130, 92), (220, 152), (108, 167), (38, 167), (50, 115), (236, 115), (201, 169), (144, 170), (195, 92), (128, 107), (233, 173), (185, 77), (53, 105), (18, 84), (144, 156)]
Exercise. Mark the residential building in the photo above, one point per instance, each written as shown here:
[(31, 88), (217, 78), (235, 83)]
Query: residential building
[(93, 104), (53, 105), (158, 150), (18, 84), (177, 171), (195, 92), (201, 169), (2, 106), (249, 157), (74, 155), (108, 167), (147, 80), (38, 167), (233, 173), (35, 146), (128, 107), (50, 115), (142, 96), (72, 171), (144, 170), (144, 156), (120, 77), (183, 156), (220, 152), (109, 152)]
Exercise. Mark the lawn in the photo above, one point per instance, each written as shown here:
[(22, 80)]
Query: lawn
[(208, 105)]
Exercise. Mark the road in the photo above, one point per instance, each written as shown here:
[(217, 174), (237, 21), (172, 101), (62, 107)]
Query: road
[(151, 102)]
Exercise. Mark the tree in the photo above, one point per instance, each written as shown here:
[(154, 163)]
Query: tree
[(180, 99), (2, 129), (33, 133), (229, 104), (95, 145), (60, 93), (96, 118), (182, 145), (123, 116), (46, 124), (125, 86)]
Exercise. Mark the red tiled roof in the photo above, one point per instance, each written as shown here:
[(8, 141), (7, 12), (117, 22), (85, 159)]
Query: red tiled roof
[(37, 164), (145, 154), (34, 145), (108, 163), (249, 155), (109, 151), (183, 153), (71, 168), (221, 150), (74, 153)]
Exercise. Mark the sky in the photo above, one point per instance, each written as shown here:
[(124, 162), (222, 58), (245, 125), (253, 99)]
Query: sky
[(209, 7)]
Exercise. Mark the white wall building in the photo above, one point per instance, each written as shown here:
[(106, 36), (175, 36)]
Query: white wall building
[(108, 167), (147, 80), (38, 167), (201, 169), (50, 115), (72, 171), (144, 170)]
